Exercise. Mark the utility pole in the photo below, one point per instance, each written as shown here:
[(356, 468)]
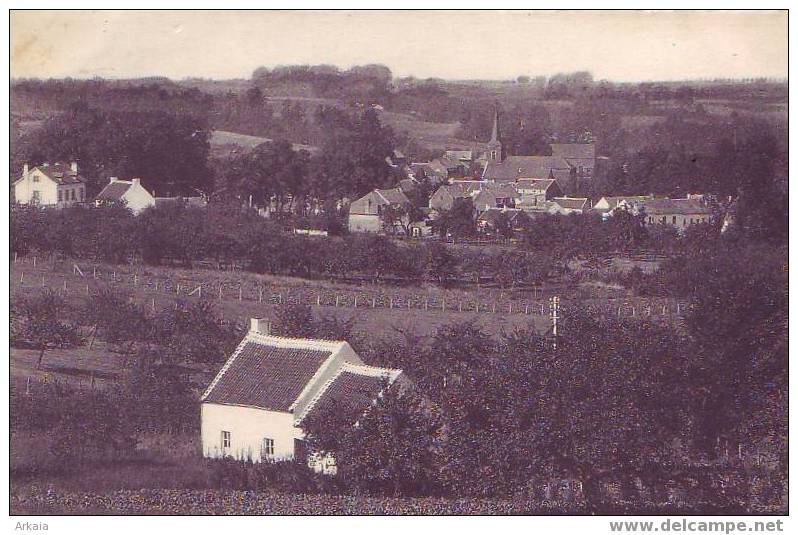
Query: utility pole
[(554, 312)]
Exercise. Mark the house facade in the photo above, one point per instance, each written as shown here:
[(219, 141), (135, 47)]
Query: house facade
[(255, 406), (57, 184), (129, 192), (365, 213), (678, 213)]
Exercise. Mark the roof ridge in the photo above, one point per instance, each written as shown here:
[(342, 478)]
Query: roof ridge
[(392, 373), (314, 401), (293, 341)]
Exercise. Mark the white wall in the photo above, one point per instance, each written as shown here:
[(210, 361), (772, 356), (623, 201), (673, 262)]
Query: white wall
[(248, 427), (137, 198), (364, 223), (48, 190)]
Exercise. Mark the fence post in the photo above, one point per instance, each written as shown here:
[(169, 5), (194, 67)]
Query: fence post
[(373, 302), (619, 312), (27, 386), (241, 292), (541, 309), (336, 301), (22, 278), (526, 310), (15, 258), (260, 295), (42, 281), (355, 301), (153, 304), (390, 303), (135, 279), (178, 288), (156, 286), (94, 272), (65, 285), (511, 308), (318, 300), (34, 261), (664, 309), (199, 291), (87, 288), (459, 306), (220, 291), (443, 304)]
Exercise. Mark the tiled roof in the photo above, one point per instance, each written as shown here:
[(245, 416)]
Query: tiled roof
[(393, 196), (675, 206), (350, 392), (268, 374), (515, 167), (536, 183), (60, 173), (492, 215), (571, 203), (114, 191), (613, 201)]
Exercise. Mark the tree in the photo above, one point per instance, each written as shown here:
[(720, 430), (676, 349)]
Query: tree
[(439, 263), (42, 322), (458, 221), (392, 449), (398, 216)]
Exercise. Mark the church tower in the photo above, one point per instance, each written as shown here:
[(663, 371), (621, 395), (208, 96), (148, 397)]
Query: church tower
[(494, 145)]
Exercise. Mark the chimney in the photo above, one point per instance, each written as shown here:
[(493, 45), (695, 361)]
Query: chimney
[(136, 181), (112, 180), (74, 167), (259, 325), (25, 169)]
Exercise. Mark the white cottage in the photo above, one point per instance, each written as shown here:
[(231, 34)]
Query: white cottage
[(57, 184), (255, 406), (129, 192)]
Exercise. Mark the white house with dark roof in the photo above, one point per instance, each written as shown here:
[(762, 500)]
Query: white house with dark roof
[(365, 213), (129, 192), (57, 184), (254, 407)]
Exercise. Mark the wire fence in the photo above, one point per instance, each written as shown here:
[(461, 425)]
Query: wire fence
[(74, 278)]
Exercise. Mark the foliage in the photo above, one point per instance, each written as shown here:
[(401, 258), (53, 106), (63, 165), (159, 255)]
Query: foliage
[(41, 319)]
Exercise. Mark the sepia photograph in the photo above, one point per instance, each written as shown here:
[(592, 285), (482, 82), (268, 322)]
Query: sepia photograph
[(399, 263)]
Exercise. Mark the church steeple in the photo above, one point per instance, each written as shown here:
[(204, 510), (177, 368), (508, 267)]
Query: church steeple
[(494, 145)]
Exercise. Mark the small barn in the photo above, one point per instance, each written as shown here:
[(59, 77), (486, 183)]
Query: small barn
[(254, 407), (128, 192), (365, 213)]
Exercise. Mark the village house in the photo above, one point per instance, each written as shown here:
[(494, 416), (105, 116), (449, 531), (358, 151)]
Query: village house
[(534, 191), (255, 406), (496, 220), (365, 213), (484, 195), (678, 213), (57, 185), (631, 203), (128, 192), (570, 205), (194, 202)]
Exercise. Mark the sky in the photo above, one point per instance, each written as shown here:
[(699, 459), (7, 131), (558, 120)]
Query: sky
[(490, 45)]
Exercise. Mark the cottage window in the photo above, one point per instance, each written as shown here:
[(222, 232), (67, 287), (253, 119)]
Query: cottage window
[(60, 195), (73, 195), (36, 197), (82, 194), (35, 177), (664, 220), (674, 220), (225, 439), (267, 447)]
